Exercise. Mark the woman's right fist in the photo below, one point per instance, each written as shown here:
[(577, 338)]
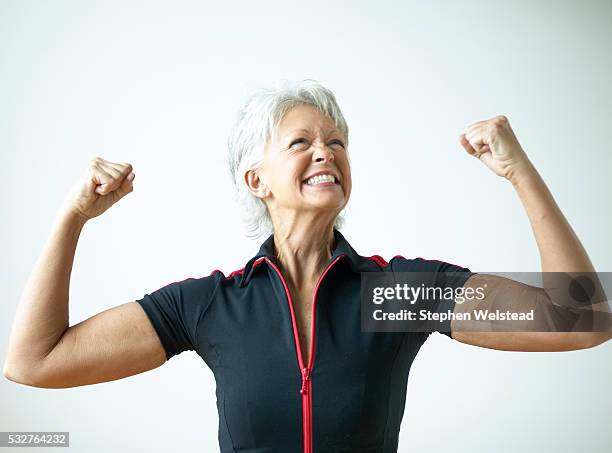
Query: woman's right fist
[(103, 184)]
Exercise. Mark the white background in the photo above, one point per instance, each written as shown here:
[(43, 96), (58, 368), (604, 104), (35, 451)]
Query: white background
[(158, 84)]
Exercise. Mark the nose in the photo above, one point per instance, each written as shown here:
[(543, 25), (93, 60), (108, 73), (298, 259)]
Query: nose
[(323, 154)]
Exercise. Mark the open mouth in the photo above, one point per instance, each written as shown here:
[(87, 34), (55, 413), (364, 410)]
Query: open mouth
[(321, 180)]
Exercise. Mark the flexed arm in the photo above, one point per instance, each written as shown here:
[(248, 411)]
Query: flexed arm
[(43, 350), (494, 143)]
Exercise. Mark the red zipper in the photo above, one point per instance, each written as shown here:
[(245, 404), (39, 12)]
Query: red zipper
[(306, 371)]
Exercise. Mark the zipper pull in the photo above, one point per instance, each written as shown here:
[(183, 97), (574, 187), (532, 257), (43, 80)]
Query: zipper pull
[(305, 377)]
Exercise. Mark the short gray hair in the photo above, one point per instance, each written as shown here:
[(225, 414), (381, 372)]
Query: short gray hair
[(257, 121)]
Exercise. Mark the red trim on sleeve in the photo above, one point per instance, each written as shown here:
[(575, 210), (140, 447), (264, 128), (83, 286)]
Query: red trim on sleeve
[(378, 260)]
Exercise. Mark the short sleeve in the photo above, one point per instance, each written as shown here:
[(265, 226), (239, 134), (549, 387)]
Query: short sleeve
[(445, 275), (175, 311)]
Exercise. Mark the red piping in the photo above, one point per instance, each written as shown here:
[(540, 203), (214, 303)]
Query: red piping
[(378, 260), (237, 271), (306, 371)]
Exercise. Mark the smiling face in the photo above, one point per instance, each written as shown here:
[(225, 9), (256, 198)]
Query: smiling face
[(307, 143)]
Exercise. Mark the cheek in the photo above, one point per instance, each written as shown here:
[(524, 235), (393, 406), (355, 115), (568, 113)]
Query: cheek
[(297, 170), (289, 177), (285, 173)]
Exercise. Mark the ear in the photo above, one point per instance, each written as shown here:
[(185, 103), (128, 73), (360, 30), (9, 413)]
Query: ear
[(255, 184)]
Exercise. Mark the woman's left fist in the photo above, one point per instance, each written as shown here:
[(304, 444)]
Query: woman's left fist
[(493, 142)]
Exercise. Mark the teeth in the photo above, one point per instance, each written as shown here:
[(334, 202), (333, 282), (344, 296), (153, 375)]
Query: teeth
[(320, 178)]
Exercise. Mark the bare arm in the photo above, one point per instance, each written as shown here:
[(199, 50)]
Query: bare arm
[(44, 351), (495, 144), (110, 345)]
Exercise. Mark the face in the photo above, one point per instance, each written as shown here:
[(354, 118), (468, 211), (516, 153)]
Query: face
[(307, 143)]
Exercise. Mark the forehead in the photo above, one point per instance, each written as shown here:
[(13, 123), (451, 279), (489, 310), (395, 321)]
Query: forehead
[(306, 118)]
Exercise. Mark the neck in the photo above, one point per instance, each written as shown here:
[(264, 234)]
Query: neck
[(303, 251)]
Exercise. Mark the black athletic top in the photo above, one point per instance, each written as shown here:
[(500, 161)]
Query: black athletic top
[(349, 398)]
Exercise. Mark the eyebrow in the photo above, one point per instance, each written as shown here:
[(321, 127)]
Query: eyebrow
[(308, 132)]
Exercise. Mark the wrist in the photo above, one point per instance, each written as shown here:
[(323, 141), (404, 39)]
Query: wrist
[(522, 173), (72, 215)]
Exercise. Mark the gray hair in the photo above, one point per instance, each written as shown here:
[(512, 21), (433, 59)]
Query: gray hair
[(257, 121)]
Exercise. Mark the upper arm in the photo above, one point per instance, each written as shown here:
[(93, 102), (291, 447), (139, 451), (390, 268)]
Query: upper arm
[(503, 294), (112, 344)]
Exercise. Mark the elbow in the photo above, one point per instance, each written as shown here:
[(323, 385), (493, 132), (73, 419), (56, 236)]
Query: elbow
[(596, 338), (21, 375), (9, 372), (35, 375), (576, 341)]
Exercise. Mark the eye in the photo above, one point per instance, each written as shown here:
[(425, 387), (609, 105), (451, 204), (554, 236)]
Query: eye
[(299, 140), (302, 140)]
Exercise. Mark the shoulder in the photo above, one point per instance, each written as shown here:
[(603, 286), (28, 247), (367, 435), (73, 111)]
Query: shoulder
[(419, 264), (191, 284), (187, 292)]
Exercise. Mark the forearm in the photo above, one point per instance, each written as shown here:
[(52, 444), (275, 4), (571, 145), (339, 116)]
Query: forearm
[(559, 246), (41, 316)]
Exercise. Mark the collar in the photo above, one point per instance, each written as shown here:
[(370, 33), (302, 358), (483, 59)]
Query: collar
[(341, 248)]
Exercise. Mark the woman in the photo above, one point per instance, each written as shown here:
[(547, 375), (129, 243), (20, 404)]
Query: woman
[(282, 335)]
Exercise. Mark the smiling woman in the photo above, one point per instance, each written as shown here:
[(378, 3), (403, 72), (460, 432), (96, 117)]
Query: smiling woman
[(304, 179), (290, 120)]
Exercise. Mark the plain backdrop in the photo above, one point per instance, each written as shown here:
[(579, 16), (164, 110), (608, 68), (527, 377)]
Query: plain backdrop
[(158, 84)]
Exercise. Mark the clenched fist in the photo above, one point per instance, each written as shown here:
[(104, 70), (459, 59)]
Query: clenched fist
[(103, 184), (493, 142)]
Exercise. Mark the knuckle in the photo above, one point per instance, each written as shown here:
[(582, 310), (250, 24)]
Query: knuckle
[(497, 124), (96, 162)]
